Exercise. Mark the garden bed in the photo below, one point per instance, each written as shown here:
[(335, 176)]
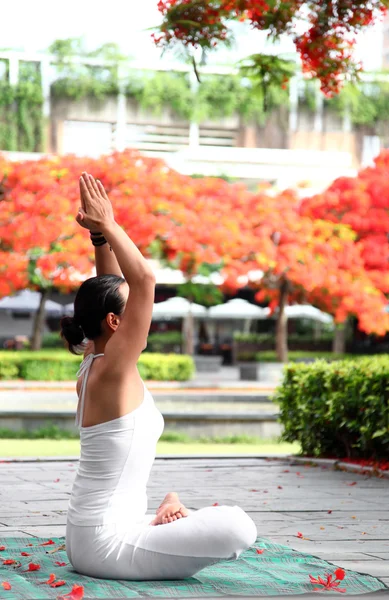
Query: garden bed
[(60, 365)]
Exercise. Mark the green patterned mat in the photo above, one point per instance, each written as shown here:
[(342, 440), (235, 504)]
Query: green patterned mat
[(267, 569)]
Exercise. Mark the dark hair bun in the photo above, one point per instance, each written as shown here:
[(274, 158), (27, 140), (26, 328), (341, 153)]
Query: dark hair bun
[(72, 332)]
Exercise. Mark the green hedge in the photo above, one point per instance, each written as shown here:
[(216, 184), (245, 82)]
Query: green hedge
[(337, 409), (296, 355), (159, 341), (63, 366)]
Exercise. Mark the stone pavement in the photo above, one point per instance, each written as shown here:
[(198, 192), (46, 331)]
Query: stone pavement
[(344, 517)]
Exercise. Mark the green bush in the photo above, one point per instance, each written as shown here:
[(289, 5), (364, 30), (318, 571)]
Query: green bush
[(157, 341), (60, 365), (256, 338), (48, 369), (53, 340), (337, 409), (293, 355), (8, 370), (166, 367)]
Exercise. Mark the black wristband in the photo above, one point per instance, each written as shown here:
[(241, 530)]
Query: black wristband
[(95, 233), (99, 242)]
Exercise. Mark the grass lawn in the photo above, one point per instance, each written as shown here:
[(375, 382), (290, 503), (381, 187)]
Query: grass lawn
[(44, 447)]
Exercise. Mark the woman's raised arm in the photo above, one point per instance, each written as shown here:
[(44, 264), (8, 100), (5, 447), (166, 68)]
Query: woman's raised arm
[(129, 340), (105, 259)]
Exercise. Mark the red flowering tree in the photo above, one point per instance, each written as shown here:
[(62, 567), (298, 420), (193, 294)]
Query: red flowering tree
[(362, 203), (300, 258), (324, 40), (169, 216), (205, 231), (40, 247)]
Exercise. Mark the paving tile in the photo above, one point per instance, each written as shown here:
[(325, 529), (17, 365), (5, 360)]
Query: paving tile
[(33, 503), (377, 568)]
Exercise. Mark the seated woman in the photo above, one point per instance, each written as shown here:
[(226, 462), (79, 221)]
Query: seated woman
[(109, 533)]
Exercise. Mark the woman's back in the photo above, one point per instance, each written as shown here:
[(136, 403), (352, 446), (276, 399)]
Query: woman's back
[(115, 462)]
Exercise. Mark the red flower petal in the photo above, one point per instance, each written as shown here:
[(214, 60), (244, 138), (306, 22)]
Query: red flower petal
[(2, 548), (50, 579), (6, 585), (49, 543), (330, 512), (25, 554), (77, 593), (9, 561), (259, 551), (353, 483), (216, 504), (280, 487), (56, 480), (299, 534), (29, 544), (60, 564), (340, 574), (58, 583), (32, 567)]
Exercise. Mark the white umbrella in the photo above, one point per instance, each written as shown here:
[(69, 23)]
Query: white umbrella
[(68, 309), (237, 309), (306, 311), (177, 308), (28, 301)]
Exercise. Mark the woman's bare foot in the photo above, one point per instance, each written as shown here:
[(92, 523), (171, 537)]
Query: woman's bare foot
[(170, 510)]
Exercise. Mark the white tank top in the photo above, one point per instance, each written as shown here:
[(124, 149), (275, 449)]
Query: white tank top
[(115, 462)]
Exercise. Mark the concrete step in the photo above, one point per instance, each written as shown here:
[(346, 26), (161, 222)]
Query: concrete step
[(195, 424)]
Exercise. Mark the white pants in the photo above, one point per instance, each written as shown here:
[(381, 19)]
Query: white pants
[(173, 551)]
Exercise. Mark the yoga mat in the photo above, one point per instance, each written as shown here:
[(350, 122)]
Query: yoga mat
[(273, 571)]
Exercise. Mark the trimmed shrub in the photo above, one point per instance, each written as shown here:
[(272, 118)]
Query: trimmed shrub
[(166, 367), (63, 366), (338, 409), (8, 370), (164, 340)]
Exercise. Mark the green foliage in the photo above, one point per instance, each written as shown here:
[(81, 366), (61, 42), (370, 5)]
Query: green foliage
[(256, 338), (269, 75), (53, 432), (49, 431), (166, 367), (48, 369), (52, 340), (21, 117), (206, 294), (79, 80), (296, 355), (156, 91), (337, 409), (157, 342), (366, 103), (47, 365), (8, 370)]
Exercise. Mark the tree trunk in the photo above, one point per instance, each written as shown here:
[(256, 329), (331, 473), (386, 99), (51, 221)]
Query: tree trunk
[(189, 332), (339, 341), (282, 324), (39, 321)]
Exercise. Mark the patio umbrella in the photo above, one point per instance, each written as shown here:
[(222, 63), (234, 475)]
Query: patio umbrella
[(306, 311), (237, 309), (28, 301), (177, 308)]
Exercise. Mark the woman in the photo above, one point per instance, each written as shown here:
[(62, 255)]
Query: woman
[(108, 532)]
